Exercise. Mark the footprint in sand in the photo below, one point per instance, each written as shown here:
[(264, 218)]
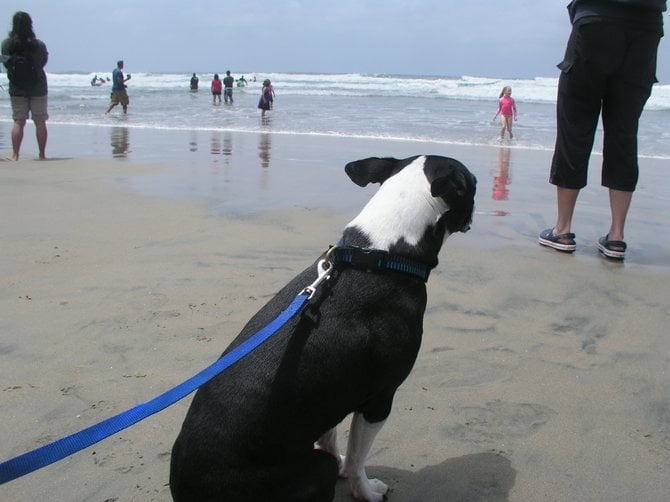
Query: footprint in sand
[(498, 421)]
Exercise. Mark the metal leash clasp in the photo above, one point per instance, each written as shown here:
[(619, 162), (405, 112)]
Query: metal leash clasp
[(323, 269)]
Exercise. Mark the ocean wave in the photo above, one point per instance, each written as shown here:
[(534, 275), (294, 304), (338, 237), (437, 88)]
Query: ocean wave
[(467, 87)]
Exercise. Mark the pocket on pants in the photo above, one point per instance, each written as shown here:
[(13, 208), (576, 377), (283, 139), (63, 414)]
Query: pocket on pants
[(565, 66)]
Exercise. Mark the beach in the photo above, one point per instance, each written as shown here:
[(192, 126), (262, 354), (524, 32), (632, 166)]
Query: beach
[(134, 256)]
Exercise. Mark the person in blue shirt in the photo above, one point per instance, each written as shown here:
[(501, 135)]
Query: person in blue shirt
[(119, 92)]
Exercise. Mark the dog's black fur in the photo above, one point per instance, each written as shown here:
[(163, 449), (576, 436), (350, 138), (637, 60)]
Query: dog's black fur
[(250, 433)]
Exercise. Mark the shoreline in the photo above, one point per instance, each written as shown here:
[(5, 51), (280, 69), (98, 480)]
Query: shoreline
[(542, 376), (246, 173), (116, 133)]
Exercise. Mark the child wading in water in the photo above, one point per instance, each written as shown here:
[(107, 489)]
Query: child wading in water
[(507, 111)]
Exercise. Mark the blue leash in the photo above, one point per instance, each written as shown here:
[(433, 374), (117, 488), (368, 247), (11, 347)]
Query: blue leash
[(48, 454), (64, 447)]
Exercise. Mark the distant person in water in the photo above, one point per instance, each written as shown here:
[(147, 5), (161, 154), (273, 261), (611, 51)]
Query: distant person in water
[(506, 110), (265, 102), (119, 92), (194, 83), (241, 82), (216, 89), (228, 82), (27, 81)]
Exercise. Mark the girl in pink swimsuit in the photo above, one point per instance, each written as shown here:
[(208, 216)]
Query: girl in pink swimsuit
[(507, 111)]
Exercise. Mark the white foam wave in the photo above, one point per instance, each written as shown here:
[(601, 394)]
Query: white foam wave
[(534, 90)]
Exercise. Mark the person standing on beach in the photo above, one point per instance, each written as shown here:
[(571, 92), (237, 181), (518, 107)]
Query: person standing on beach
[(194, 83), (119, 92), (506, 110), (609, 67), (25, 56), (216, 89), (267, 97), (228, 82)]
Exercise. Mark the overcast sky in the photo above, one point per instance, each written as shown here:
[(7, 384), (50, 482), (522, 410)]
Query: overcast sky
[(500, 38)]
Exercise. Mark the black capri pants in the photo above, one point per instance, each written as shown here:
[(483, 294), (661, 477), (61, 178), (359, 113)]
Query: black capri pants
[(609, 66)]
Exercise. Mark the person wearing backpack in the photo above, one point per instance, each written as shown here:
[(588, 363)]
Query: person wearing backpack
[(25, 56)]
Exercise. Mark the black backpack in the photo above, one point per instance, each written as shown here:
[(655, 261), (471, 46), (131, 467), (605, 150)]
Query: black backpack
[(21, 70)]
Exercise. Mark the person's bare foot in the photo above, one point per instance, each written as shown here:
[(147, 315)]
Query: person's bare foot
[(13, 158)]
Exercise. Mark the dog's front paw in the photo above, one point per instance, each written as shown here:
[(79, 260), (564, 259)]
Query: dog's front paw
[(369, 490)]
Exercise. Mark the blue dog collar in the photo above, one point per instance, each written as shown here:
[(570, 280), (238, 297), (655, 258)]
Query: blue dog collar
[(373, 260)]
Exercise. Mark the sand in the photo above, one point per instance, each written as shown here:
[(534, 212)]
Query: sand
[(542, 376)]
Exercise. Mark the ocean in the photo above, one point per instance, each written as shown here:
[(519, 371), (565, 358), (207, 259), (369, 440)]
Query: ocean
[(442, 110)]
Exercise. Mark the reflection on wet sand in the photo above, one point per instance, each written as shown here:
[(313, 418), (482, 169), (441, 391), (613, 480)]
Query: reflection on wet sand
[(120, 142), (501, 179), (502, 176), (221, 146), (193, 144), (227, 144), (215, 143), (264, 145)]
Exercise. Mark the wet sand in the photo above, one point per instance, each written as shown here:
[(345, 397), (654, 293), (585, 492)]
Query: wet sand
[(542, 376)]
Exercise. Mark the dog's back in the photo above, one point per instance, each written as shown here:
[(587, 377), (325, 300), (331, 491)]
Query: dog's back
[(340, 355), (250, 432)]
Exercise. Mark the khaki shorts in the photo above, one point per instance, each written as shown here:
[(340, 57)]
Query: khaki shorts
[(120, 97), (36, 106)]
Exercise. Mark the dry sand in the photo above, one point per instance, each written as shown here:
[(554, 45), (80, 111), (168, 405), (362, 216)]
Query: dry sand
[(542, 376)]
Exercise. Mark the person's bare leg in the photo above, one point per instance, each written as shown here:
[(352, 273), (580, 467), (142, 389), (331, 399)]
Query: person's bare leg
[(619, 205), (41, 133), (566, 199), (17, 138)]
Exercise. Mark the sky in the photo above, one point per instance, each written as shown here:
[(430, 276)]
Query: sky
[(484, 38)]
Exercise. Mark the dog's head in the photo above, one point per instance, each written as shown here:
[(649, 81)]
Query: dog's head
[(422, 197), (447, 178)]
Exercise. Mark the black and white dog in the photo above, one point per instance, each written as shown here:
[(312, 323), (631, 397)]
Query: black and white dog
[(264, 430)]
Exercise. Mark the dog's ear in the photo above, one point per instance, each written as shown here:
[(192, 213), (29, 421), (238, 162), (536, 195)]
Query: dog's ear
[(449, 179), (374, 169)]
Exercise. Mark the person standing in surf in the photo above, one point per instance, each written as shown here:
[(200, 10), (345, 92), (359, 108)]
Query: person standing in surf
[(216, 87), (228, 82), (119, 92), (507, 111), (267, 97)]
